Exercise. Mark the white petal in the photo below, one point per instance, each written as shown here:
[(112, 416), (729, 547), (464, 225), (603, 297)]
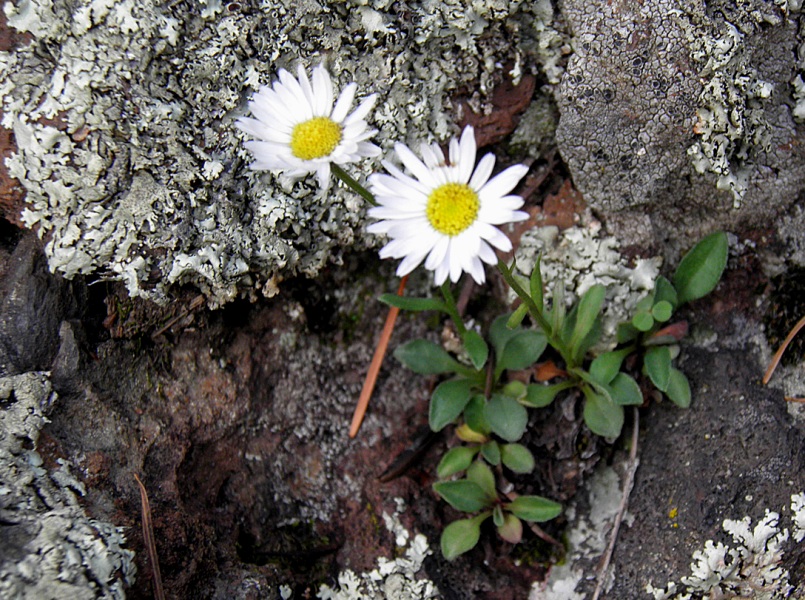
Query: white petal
[(416, 166), (482, 172), (322, 92), (407, 179), (438, 253), (486, 254), (304, 83), (502, 183), (344, 103), (493, 235), (432, 158), (441, 272), (363, 109), (466, 154)]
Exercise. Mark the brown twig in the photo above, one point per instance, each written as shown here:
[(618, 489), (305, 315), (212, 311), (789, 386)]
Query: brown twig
[(374, 367), (148, 538), (779, 354), (628, 483)]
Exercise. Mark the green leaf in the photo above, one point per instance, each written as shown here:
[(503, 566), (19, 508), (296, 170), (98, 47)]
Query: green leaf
[(497, 516), (662, 311), (535, 285), (534, 508), (463, 494), (625, 390), (461, 536), (627, 333), (658, 366), (515, 389), (701, 268), (606, 365), (643, 321), (602, 416), (517, 458), (500, 334), (413, 304), (475, 415), (507, 417), (479, 473), (476, 347), (522, 350), (491, 452), (678, 389), (588, 309), (664, 291), (558, 308), (517, 316), (455, 460), (540, 396), (426, 358), (511, 529), (448, 402)]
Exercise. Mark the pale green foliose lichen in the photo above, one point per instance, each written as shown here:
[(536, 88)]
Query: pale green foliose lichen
[(123, 116), (732, 122), (751, 567), (581, 257), (53, 549)]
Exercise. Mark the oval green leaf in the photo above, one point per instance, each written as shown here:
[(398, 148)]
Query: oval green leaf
[(475, 415), (605, 366), (491, 452), (511, 529), (664, 290), (588, 308), (643, 321), (455, 460), (658, 366), (522, 350), (662, 311), (517, 458), (479, 473), (534, 508), (426, 358), (476, 347), (463, 494), (461, 536), (507, 417), (448, 402), (700, 270), (540, 396), (603, 417), (678, 389), (625, 391)]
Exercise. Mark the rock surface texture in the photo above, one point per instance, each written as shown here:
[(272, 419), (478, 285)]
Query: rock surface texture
[(666, 119)]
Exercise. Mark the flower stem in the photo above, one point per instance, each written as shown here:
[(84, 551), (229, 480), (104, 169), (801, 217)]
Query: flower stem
[(353, 184), (452, 309)]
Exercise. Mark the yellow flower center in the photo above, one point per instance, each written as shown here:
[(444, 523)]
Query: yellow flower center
[(452, 208), (315, 138)]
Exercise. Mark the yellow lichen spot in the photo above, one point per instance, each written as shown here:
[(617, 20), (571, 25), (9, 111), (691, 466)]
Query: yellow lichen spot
[(452, 208), (315, 138), (672, 514)]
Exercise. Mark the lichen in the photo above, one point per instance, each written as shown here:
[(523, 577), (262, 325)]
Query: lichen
[(123, 117), (732, 123), (53, 549), (581, 257), (752, 566)]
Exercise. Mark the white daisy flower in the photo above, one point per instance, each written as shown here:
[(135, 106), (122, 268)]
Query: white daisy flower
[(299, 131), (446, 213)]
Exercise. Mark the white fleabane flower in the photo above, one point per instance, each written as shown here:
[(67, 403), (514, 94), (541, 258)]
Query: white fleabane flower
[(446, 213), (299, 131)]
